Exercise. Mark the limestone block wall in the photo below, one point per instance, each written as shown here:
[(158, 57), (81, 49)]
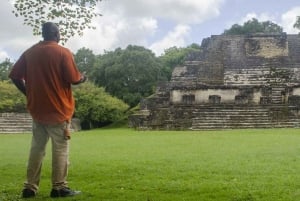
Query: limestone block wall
[(244, 60), (238, 81), (202, 95), (266, 46), (295, 91), (210, 72), (227, 96)]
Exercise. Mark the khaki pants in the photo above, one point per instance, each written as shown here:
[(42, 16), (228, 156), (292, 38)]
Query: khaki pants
[(60, 155)]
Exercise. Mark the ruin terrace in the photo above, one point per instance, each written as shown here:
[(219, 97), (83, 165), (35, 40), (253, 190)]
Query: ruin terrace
[(236, 81)]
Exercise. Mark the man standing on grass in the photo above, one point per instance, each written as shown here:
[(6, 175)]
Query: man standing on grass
[(44, 74)]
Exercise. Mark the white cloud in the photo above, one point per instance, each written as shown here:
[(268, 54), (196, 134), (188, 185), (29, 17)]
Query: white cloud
[(260, 17), (288, 20), (175, 37), (249, 16), (154, 24), (113, 32), (179, 11), (123, 22), (3, 55), (134, 22), (14, 36)]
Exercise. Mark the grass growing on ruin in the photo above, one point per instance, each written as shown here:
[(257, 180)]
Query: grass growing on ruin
[(127, 165)]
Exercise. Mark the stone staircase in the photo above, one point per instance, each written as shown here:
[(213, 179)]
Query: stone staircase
[(15, 123), (277, 94), (220, 117), (22, 123), (294, 48)]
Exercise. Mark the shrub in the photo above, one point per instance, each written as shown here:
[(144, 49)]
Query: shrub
[(11, 99), (95, 107)]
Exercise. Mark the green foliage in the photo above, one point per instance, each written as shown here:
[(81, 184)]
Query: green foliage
[(175, 56), (72, 16), (11, 100), (297, 23), (96, 108), (5, 68), (85, 60), (128, 74), (254, 26), (132, 73)]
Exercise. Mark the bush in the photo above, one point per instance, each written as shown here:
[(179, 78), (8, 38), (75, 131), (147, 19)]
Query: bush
[(96, 108), (11, 99)]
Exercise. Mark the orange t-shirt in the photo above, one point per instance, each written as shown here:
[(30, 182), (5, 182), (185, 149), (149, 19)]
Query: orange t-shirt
[(48, 70)]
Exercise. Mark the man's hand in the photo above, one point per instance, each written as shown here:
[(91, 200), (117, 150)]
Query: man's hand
[(20, 84), (83, 78)]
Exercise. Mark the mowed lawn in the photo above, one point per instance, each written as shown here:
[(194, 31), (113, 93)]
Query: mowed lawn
[(129, 165)]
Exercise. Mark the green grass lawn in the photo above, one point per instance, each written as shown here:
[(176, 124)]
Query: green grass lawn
[(128, 165)]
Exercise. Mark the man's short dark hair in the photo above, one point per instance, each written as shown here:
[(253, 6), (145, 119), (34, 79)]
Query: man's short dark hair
[(49, 30)]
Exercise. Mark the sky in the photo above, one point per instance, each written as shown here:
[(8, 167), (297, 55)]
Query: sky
[(154, 24)]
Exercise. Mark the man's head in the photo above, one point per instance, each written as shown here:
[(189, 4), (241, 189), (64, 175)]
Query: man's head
[(50, 32)]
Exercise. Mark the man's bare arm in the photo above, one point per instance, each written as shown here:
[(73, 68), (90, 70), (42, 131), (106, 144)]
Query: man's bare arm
[(20, 84)]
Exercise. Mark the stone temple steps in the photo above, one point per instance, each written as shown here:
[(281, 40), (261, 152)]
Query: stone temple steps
[(22, 123), (277, 94), (15, 123), (239, 117)]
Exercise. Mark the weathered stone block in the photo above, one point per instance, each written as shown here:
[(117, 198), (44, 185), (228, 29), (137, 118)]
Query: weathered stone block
[(235, 81)]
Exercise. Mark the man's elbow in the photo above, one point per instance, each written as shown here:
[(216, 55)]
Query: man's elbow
[(83, 78), (20, 84)]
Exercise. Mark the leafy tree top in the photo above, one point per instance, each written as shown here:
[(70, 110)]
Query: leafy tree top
[(297, 23), (72, 16), (5, 68), (253, 26)]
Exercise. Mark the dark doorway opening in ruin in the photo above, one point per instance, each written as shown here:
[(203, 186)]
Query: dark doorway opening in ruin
[(188, 99), (240, 99), (214, 99)]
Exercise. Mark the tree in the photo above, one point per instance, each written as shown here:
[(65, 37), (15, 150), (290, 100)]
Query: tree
[(72, 16), (95, 107), (254, 26), (175, 56), (11, 99), (85, 60), (297, 23), (128, 74), (5, 67)]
